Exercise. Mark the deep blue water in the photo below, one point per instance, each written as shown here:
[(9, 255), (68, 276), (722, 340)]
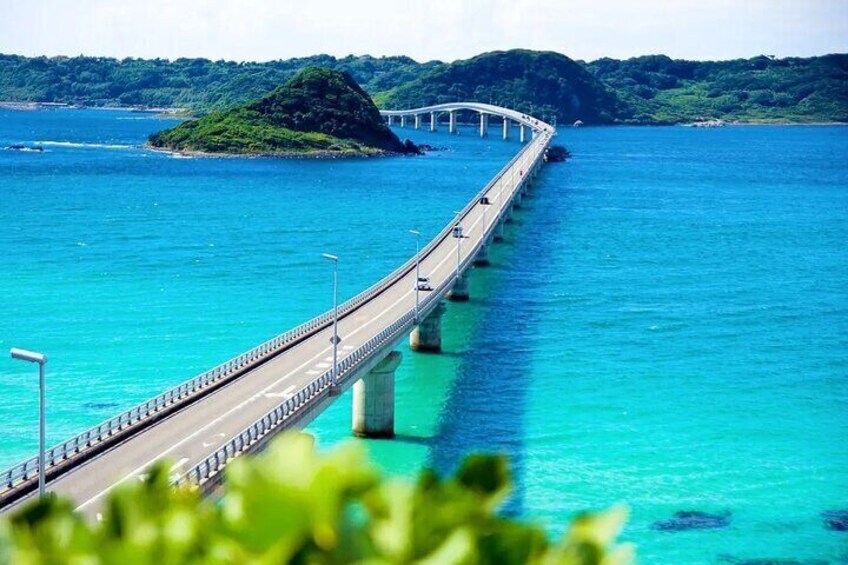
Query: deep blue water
[(665, 326)]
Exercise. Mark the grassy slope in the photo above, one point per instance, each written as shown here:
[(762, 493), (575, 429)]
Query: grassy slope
[(318, 111)]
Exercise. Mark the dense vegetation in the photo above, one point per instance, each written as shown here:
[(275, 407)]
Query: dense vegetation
[(199, 84), (318, 110), (291, 506), (543, 84), (652, 89), (661, 90)]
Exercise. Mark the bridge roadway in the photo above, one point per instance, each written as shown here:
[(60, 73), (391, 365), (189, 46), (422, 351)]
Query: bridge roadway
[(188, 436)]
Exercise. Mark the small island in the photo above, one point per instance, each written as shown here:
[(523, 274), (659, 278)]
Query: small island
[(318, 113)]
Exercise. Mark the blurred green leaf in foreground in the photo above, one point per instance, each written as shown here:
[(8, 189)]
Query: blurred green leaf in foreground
[(291, 505)]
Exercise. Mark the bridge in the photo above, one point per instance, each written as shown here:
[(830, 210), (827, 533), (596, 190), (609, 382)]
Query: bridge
[(286, 382), (433, 113)]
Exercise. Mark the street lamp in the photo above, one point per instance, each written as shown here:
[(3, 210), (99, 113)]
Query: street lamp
[(335, 338), (485, 203), (417, 235), (459, 236), (41, 359)]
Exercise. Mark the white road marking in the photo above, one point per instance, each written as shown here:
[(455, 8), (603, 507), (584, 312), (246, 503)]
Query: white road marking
[(322, 365), (330, 358), (347, 347), (285, 394), (215, 439), (239, 406), (313, 372), (176, 466)]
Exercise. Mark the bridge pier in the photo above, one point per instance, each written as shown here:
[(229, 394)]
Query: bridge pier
[(452, 121), (374, 400), (499, 232), (522, 133), (403, 121), (459, 290), (484, 124), (482, 257), (516, 201), (417, 121), (433, 121), (507, 216), (506, 128), (391, 120), (427, 335)]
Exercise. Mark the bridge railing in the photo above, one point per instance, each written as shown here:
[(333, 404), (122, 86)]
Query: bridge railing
[(305, 397), (316, 390), (102, 433)]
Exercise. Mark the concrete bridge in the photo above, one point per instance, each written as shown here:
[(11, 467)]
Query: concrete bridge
[(288, 381), (430, 115)]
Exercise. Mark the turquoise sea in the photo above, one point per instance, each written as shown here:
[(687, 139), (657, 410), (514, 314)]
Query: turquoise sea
[(666, 325)]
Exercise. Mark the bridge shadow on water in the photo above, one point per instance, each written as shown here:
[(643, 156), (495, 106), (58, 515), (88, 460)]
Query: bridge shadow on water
[(485, 407)]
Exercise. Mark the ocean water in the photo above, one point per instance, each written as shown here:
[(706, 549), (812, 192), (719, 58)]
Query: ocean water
[(665, 326)]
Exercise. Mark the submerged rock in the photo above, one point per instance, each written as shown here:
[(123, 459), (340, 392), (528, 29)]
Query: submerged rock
[(692, 520), (769, 561), (556, 154), (20, 147), (836, 520)]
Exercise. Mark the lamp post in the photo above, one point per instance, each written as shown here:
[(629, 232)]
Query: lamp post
[(335, 338), (459, 236), (417, 235), (41, 359)]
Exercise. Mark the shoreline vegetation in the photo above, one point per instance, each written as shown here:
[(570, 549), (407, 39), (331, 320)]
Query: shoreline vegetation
[(319, 113), (648, 90)]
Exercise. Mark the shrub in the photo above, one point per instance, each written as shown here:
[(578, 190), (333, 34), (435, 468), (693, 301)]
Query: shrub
[(291, 505)]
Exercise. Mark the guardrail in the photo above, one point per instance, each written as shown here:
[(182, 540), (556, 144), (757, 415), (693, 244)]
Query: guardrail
[(184, 393), (315, 391)]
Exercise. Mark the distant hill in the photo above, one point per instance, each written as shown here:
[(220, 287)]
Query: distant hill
[(651, 90), (199, 84), (544, 84), (762, 89), (318, 111)]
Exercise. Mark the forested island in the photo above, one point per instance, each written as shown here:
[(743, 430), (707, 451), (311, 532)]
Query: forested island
[(318, 112), (644, 90)]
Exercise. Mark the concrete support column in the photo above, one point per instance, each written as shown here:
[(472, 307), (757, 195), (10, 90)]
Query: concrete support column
[(427, 335), (374, 400), (522, 133), (516, 201), (459, 290), (417, 121), (532, 134), (484, 124), (506, 128), (507, 217), (482, 257), (433, 121), (452, 121), (499, 233), (403, 121), (391, 120)]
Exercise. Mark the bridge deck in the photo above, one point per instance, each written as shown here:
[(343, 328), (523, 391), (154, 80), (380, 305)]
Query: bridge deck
[(191, 434)]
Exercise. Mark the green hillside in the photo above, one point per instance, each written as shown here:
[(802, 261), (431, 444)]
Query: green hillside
[(762, 89), (544, 84), (319, 111), (651, 90), (199, 84)]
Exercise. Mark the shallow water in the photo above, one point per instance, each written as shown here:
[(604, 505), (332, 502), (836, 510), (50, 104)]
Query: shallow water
[(665, 325)]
